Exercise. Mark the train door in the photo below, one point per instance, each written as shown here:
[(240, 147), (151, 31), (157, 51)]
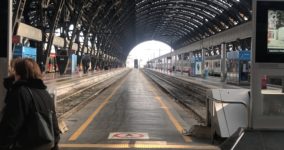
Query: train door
[(233, 71), (244, 71), (244, 64), (198, 66), (192, 70)]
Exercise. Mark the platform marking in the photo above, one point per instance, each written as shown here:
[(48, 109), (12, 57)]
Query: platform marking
[(175, 122), (83, 127), (128, 135), (140, 146)]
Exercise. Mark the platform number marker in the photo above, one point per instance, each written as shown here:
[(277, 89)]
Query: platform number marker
[(128, 135)]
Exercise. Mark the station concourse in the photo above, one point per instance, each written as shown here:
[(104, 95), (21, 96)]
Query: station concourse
[(220, 88)]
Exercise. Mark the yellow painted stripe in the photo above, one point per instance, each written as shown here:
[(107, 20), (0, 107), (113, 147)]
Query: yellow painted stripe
[(173, 119), (140, 146), (176, 123), (94, 146), (83, 127)]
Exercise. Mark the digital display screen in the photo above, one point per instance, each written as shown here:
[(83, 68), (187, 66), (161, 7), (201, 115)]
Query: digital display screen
[(269, 37), (275, 34)]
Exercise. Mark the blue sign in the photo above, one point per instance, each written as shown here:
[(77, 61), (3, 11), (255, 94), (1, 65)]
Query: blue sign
[(233, 55), (239, 55), (74, 63), (244, 55), (24, 52), (29, 51)]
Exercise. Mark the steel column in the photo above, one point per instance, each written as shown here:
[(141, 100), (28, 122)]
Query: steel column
[(5, 45), (55, 20)]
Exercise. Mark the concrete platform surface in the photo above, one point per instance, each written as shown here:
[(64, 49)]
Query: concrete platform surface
[(132, 114)]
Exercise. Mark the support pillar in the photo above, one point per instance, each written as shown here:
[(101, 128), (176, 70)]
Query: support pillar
[(182, 62), (190, 70), (223, 62), (203, 62), (5, 45)]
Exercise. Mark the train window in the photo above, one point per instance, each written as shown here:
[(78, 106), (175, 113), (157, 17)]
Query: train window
[(217, 64), (185, 56)]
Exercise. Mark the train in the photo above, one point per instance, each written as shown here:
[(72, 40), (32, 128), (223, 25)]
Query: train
[(213, 63), (135, 63), (193, 66), (237, 67)]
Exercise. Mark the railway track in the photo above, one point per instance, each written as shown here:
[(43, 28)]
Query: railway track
[(69, 103), (191, 95)]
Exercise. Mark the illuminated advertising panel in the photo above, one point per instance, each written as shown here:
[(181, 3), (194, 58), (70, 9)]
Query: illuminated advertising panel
[(275, 31), (269, 32)]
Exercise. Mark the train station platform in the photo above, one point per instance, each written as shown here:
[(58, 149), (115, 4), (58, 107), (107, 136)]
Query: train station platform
[(57, 77), (210, 82), (132, 113), (64, 84)]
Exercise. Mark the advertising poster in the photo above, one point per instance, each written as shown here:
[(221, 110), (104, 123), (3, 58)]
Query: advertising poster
[(74, 63), (275, 34), (198, 68)]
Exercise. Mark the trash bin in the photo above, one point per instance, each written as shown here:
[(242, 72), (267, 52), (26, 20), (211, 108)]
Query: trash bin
[(264, 82)]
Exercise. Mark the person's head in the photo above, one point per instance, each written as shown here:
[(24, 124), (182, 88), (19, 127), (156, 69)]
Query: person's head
[(26, 69)]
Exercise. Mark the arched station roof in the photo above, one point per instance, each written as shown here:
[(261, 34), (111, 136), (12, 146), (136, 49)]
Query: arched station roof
[(116, 26)]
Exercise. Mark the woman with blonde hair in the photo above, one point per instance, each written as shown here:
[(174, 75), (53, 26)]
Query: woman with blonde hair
[(28, 95)]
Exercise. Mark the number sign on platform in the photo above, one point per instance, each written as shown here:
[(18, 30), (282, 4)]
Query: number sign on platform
[(128, 135)]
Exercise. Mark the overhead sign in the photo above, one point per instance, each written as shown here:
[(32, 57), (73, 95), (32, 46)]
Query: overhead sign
[(128, 135), (75, 46), (29, 32), (57, 41)]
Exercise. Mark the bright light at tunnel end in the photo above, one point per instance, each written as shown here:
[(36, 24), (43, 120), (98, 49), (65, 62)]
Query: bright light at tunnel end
[(146, 51)]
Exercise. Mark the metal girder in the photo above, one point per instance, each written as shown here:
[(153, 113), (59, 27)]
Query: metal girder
[(187, 27), (190, 16), (19, 7), (159, 13), (76, 22), (111, 25), (87, 32), (55, 20), (120, 24), (188, 6), (177, 28)]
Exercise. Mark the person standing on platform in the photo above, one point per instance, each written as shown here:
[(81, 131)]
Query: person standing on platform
[(42, 67), (86, 62), (28, 95), (206, 71)]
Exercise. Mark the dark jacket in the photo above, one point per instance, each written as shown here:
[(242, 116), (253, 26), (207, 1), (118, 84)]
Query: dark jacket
[(86, 59), (8, 83), (18, 107)]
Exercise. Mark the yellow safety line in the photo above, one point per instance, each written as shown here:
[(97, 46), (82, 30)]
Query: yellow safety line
[(176, 123), (83, 127), (140, 146)]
